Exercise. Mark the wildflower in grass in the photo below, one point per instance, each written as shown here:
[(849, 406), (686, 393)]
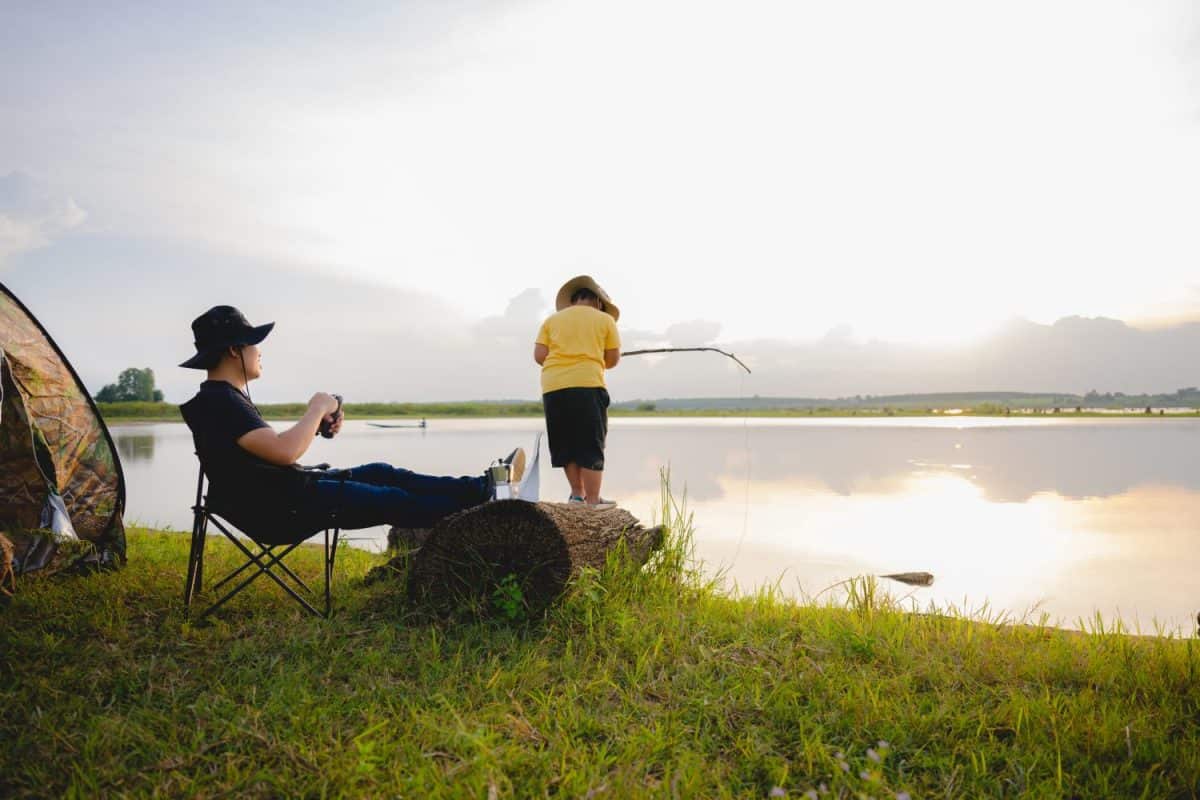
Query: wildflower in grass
[(874, 756), (811, 794), (777, 791), (903, 796)]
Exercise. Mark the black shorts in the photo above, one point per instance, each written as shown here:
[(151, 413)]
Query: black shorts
[(577, 425)]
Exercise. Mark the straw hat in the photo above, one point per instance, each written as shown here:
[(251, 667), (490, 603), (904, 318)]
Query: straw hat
[(585, 282)]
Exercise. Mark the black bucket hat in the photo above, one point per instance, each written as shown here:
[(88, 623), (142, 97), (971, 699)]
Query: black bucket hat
[(218, 328)]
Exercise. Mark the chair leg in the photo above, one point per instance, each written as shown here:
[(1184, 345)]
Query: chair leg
[(264, 569), (295, 577), (330, 556), (201, 540), (265, 561), (195, 554), (188, 581), (262, 550)]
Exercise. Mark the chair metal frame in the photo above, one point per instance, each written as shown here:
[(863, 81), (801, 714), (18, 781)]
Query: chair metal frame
[(263, 561)]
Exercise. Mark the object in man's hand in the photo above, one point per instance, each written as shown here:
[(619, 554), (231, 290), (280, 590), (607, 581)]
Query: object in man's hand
[(326, 427)]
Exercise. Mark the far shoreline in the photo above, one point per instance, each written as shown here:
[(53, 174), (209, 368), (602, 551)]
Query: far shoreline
[(144, 413)]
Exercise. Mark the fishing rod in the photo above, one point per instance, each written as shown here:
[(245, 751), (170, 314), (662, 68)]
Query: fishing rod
[(687, 350)]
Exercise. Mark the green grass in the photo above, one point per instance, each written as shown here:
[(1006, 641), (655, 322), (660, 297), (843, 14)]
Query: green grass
[(167, 412), (640, 683)]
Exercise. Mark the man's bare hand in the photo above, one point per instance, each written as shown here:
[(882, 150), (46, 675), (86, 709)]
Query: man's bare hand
[(287, 447), (325, 403)]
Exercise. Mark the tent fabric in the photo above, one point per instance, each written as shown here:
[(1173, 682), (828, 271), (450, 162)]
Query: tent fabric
[(6, 568), (59, 470)]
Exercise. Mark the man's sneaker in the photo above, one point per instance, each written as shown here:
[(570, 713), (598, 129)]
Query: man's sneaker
[(516, 470), (516, 465)]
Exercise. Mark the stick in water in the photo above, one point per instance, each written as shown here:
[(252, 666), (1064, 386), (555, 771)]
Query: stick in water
[(687, 350), (912, 578)]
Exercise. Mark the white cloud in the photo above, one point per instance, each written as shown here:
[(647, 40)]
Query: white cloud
[(694, 333), (520, 319), (378, 343), (887, 165), (31, 216)]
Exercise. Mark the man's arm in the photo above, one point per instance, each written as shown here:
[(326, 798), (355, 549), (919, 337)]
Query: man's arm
[(287, 448), (612, 357), (540, 351)]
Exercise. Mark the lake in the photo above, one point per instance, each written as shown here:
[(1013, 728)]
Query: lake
[(1070, 518)]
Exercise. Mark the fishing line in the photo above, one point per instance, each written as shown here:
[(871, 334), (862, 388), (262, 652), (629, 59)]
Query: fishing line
[(745, 425), (746, 445)]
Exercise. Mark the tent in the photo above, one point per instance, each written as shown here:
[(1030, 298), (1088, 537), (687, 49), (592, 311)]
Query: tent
[(62, 492)]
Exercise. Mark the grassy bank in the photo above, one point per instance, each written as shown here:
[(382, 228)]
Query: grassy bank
[(639, 684), (167, 412)]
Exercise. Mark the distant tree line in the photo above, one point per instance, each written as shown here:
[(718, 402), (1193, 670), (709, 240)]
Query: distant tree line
[(982, 402), (133, 385)]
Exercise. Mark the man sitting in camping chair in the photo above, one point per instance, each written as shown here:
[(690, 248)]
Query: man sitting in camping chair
[(254, 480)]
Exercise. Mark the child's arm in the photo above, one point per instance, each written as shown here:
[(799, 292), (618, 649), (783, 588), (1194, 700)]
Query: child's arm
[(541, 345), (612, 343)]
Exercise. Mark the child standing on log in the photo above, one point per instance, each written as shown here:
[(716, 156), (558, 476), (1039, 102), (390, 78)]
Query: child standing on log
[(574, 347)]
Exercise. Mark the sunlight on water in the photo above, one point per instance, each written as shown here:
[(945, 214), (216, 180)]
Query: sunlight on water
[(1028, 516)]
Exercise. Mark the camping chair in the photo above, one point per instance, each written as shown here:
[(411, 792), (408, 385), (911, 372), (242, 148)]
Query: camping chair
[(263, 559)]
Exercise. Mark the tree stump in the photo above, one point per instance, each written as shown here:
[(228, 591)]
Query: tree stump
[(404, 539), (527, 550), (8, 579)]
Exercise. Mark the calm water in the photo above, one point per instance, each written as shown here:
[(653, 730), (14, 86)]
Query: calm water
[(1069, 517)]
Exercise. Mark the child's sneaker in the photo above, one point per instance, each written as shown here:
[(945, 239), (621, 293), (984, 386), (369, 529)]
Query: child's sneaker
[(601, 505), (575, 500)]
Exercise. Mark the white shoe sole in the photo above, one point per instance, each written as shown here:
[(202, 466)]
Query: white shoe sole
[(516, 466)]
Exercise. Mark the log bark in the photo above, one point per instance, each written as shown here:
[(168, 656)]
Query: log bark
[(406, 539), (536, 547)]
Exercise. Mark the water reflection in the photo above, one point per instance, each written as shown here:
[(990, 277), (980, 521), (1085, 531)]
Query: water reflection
[(1010, 463), (1065, 516), (135, 446)]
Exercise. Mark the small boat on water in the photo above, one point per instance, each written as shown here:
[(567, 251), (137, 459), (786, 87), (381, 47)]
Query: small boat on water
[(422, 424)]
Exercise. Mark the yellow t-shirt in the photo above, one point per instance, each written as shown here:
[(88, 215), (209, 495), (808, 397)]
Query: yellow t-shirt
[(577, 337)]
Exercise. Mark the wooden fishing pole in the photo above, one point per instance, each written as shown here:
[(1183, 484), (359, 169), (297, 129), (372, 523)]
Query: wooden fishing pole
[(687, 350)]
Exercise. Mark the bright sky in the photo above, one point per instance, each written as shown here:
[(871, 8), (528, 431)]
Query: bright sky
[(918, 171)]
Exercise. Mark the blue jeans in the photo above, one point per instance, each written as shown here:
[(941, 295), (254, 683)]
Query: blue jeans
[(380, 494)]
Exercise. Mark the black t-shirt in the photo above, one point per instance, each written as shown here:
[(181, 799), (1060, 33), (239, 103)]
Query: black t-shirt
[(218, 416)]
